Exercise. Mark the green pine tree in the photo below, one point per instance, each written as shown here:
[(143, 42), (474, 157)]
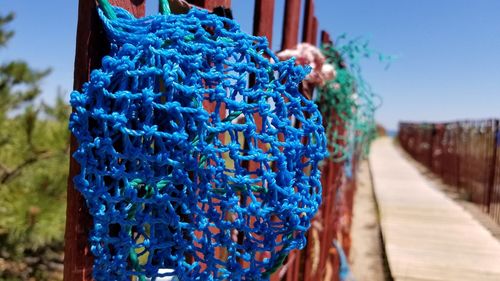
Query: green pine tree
[(34, 149)]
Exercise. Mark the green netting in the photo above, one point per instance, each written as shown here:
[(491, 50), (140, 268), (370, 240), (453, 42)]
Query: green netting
[(348, 102)]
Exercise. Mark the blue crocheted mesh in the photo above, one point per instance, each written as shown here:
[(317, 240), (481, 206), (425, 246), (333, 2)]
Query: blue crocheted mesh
[(199, 156)]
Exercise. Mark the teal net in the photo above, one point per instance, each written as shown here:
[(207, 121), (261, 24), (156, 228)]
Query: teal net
[(348, 103)]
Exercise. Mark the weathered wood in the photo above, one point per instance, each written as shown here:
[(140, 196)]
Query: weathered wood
[(307, 28), (91, 46), (325, 37), (314, 31), (427, 235), (209, 106), (493, 165), (262, 26), (331, 180), (263, 19), (291, 21), (211, 4)]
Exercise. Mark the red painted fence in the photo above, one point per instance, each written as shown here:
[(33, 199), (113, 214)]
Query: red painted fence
[(463, 154)]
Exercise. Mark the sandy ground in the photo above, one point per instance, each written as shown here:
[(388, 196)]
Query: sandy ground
[(367, 257)]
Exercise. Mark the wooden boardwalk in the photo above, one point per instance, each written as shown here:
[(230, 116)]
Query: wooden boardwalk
[(427, 236)]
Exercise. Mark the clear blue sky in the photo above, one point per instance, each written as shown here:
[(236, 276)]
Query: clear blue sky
[(448, 64)]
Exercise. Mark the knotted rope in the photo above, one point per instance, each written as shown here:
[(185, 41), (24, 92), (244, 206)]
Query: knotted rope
[(167, 129)]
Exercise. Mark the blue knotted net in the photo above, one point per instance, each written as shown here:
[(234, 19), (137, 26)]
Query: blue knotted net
[(199, 156)]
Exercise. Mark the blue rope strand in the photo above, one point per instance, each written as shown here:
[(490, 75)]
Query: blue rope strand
[(164, 178)]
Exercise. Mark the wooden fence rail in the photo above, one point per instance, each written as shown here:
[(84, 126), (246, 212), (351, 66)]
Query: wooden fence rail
[(463, 154)]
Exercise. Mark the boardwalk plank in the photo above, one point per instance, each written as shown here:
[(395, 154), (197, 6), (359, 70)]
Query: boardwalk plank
[(427, 236)]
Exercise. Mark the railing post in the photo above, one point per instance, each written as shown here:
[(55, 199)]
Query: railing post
[(493, 164), (308, 19), (325, 38), (263, 19), (211, 4), (91, 46), (458, 152), (432, 136), (314, 35), (290, 24)]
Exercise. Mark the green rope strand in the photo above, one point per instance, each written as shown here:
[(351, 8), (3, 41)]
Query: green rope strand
[(107, 9), (164, 7)]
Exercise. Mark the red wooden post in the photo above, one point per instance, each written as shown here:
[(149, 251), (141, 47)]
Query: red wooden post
[(325, 37), (210, 107), (211, 4), (262, 26), (333, 182), (291, 24), (91, 46), (263, 19), (314, 266), (494, 195), (308, 22), (492, 165), (314, 34), (310, 35)]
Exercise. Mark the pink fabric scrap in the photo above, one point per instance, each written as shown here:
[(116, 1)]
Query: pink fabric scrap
[(307, 54)]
